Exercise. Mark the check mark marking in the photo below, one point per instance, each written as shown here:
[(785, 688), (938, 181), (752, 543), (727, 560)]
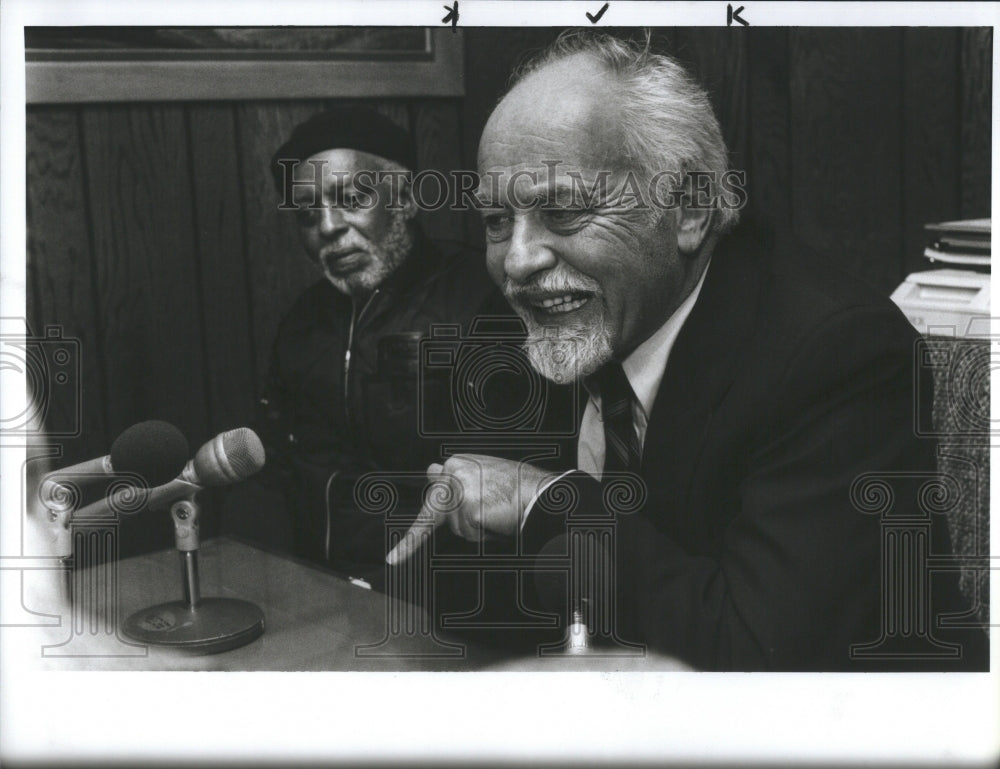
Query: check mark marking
[(600, 13)]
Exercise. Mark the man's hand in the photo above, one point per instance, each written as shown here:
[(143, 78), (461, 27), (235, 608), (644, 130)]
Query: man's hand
[(477, 496)]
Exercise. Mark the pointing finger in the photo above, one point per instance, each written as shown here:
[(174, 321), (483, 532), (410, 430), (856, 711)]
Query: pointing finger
[(415, 536), (441, 503)]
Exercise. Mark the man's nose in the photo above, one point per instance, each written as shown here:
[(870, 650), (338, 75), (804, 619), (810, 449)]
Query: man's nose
[(331, 223), (528, 251)]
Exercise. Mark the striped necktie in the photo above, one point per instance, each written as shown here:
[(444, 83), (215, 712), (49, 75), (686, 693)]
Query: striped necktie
[(621, 444)]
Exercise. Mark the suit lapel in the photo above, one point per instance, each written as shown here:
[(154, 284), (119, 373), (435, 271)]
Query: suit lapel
[(701, 367)]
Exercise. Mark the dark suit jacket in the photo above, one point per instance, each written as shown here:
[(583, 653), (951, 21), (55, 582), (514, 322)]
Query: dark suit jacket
[(784, 386)]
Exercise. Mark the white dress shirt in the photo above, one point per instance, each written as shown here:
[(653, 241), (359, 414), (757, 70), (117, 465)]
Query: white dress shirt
[(644, 369)]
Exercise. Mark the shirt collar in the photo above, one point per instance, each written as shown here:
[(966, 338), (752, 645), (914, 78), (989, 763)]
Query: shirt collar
[(644, 367)]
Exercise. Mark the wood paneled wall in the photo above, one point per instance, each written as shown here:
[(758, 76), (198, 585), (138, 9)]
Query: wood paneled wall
[(154, 239)]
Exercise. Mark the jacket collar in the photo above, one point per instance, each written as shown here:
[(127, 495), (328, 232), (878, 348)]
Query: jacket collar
[(709, 344), (705, 359)]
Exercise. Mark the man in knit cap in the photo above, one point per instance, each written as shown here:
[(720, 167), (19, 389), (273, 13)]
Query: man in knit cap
[(340, 398)]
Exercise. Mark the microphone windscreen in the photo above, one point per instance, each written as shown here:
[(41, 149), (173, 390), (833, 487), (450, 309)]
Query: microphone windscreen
[(229, 457), (157, 451)]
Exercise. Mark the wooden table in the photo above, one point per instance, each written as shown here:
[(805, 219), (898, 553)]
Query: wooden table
[(315, 619)]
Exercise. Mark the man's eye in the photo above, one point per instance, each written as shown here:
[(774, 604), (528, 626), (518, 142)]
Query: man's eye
[(565, 216), (498, 226)]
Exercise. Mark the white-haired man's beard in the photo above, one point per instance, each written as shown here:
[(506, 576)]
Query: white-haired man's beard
[(562, 351), (385, 256)]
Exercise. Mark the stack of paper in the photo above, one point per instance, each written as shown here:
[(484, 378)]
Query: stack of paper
[(965, 243)]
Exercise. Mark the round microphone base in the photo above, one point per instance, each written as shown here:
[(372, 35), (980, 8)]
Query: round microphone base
[(216, 625)]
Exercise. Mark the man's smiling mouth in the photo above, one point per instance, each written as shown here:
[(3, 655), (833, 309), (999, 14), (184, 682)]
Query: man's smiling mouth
[(561, 303)]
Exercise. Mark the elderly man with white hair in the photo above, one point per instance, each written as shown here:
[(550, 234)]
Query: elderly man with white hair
[(745, 393)]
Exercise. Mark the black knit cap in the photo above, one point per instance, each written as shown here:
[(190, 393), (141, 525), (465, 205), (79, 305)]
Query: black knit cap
[(353, 128)]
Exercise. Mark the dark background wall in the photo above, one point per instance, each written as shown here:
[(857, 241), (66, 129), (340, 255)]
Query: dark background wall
[(154, 239)]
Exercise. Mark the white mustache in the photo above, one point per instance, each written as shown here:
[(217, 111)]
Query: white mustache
[(548, 285)]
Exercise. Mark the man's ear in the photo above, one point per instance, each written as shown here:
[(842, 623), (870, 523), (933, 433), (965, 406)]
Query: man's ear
[(692, 227)]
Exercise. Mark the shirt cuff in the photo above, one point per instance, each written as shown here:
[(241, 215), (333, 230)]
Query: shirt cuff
[(541, 490)]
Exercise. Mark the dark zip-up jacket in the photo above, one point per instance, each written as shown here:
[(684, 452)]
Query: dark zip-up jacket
[(342, 399)]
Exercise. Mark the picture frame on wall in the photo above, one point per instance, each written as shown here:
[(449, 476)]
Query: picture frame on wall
[(126, 64)]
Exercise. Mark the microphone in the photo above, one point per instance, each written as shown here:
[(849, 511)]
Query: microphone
[(582, 597), (201, 625), (587, 595), (229, 457), (154, 450)]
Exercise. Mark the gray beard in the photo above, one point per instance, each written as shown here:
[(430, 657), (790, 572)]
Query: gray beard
[(387, 254), (564, 355)]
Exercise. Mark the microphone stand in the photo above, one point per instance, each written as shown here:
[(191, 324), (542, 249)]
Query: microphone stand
[(196, 624), (185, 514)]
